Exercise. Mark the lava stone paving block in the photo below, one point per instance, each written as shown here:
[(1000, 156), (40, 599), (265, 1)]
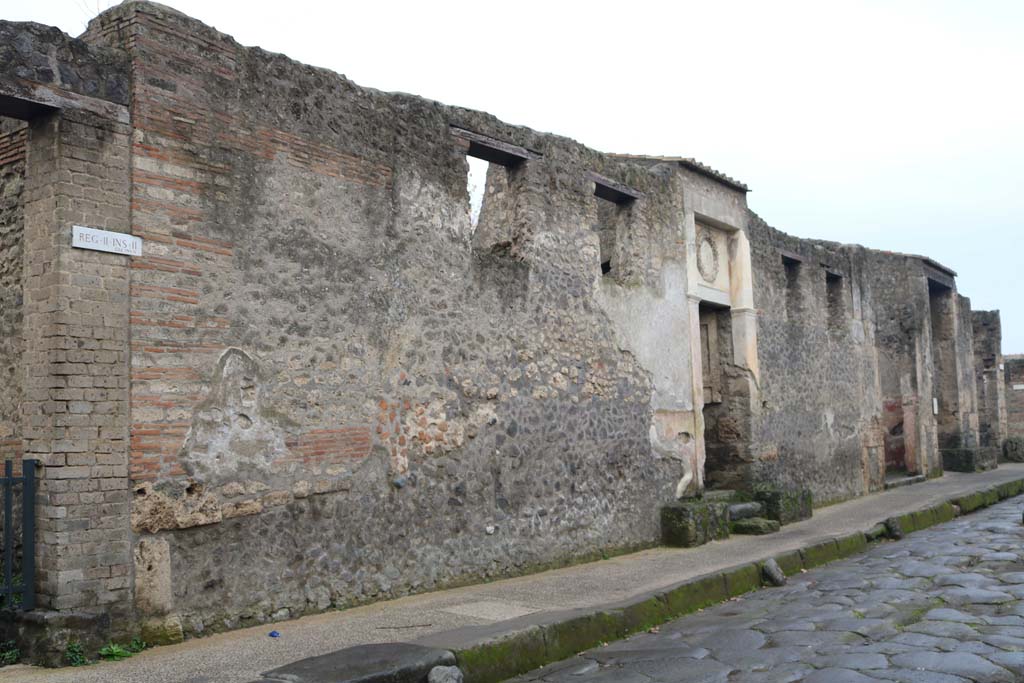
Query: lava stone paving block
[(689, 523), (786, 507)]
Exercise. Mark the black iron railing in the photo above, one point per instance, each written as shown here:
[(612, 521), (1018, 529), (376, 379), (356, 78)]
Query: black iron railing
[(19, 569)]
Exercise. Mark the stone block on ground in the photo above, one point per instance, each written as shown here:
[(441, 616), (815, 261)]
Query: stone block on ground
[(739, 511), (894, 528), (1013, 449), (445, 674), (754, 526), (969, 459), (773, 574), (689, 523), (786, 506), (720, 496), (791, 562), (162, 630)]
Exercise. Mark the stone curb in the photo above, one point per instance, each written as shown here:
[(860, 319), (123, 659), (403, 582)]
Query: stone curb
[(515, 650)]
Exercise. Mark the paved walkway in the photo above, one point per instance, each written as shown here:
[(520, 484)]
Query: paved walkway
[(240, 656), (942, 606)]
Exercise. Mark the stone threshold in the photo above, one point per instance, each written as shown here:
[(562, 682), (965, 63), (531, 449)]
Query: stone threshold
[(897, 482)]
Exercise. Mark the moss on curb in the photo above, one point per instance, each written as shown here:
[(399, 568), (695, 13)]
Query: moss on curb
[(1010, 489), (790, 563), (646, 614), (565, 639), (908, 523), (695, 595), (504, 657), (977, 500), (820, 553), (744, 579), (515, 653), (944, 512), (852, 544)]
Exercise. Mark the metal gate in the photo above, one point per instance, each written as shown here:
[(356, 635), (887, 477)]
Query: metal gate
[(17, 592)]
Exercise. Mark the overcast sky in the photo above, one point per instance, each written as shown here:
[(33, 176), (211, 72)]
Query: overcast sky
[(897, 125)]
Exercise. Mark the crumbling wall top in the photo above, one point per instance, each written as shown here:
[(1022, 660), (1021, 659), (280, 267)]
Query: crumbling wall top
[(41, 66)]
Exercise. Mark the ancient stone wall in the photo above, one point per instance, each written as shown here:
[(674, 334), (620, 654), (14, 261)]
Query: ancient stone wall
[(322, 383), (12, 231), (71, 349), (989, 378), (858, 350), (967, 399), (1014, 376), (907, 368), (818, 425), (340, 393)]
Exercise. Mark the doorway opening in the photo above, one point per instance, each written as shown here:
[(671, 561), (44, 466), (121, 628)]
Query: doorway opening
[(726, 421), (945, 388)]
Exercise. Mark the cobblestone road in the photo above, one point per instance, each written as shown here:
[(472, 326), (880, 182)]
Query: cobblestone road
[(941, 606)]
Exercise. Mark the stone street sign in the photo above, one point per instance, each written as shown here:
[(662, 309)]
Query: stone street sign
[(104, 240)]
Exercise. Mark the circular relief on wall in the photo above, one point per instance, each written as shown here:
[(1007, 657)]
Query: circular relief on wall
[(707, 257)]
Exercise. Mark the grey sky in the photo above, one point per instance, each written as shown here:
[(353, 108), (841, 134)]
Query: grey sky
[(897, 125)]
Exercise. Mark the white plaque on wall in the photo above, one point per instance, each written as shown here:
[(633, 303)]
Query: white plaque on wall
[(104, 240)]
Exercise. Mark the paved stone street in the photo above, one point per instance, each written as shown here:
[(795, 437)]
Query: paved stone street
[(941, 606)]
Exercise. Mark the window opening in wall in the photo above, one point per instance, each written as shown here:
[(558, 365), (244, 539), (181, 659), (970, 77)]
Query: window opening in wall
[(608, 220), (476, 186), (485, 157), (836, 306), (791, 265), (612, 212)]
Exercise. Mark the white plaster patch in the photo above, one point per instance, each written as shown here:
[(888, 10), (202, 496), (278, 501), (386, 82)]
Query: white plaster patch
[(491, 610)]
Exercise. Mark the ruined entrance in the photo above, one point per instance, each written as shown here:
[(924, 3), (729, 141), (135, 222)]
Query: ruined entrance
[(726, 428), (945, 391), (895, 440)]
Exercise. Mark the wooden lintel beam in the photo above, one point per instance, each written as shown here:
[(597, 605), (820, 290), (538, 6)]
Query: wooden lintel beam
[(791, 256), (938, 276), (611, 190), (493, 150)]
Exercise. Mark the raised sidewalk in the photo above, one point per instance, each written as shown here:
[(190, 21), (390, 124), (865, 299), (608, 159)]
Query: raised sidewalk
[(501, 628)]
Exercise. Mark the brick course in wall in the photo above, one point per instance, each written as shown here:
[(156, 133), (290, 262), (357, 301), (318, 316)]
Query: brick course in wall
[(75, 408)]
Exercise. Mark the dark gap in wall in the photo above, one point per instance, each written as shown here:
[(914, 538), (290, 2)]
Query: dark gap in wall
[(726, 404), (836, 303), (610, 215), (794, 300), (945, 388)]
